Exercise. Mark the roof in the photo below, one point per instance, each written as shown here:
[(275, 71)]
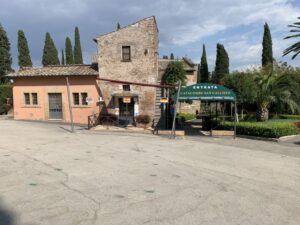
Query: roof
[(147, 18), (57, 70)]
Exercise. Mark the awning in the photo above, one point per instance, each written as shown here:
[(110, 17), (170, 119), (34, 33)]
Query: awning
[(206, 92)]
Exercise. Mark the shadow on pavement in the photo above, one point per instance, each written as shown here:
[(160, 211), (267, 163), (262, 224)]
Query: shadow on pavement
[(6, 217)]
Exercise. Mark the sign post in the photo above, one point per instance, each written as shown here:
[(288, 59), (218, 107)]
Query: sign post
[(70, 106)]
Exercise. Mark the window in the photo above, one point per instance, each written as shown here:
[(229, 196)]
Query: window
[(126, 56), (34, 98), (27, 98), (76, 99), (126, 87), (83, 98)]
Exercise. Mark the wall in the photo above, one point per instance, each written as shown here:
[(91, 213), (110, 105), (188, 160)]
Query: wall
[(142, 67), (44, 85)]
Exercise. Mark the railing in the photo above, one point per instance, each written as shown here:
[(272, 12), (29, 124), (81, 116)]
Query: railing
[(102, 119), (93, 120)]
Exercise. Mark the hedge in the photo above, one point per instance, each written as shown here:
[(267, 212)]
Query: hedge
[(185, 116), (261, 129), (290, 117), (5, 92)]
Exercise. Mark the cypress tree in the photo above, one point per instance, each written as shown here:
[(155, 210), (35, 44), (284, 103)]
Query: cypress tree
[(69, 52), (50, 54), (222, 64), (62, 57), (5, 56), (24, 53), (203, 74), (267, 52), (172, 56), (77, 48)]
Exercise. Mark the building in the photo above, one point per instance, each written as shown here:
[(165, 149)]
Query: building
[(124, 79)]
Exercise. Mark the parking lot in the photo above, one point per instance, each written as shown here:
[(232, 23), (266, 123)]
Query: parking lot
[(51, 176)]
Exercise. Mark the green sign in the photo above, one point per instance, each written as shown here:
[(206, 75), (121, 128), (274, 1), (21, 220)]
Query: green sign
[(206, 92)]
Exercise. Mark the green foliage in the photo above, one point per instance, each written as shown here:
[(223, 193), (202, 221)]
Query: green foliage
[(77, 48), (118, 26), (62, 57), (172, 56), (294, 48), (289, 117), (185, 116), (5, 92), (50, 54), (5, 56), (24, 53), (203, 74), (69, 52), (261, 129), (267, 52), (174, 73), (222, 65)]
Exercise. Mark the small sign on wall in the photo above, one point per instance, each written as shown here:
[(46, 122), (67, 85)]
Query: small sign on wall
[(89, 100), (164, 100), (126, 99)]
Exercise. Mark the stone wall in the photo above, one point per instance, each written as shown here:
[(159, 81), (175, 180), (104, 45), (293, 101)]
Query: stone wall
[(142, 37)]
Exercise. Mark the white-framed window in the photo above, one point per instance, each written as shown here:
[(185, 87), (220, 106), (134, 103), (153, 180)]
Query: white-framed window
[(30, 98)]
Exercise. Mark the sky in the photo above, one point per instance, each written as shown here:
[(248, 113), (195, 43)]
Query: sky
[(184, 26)]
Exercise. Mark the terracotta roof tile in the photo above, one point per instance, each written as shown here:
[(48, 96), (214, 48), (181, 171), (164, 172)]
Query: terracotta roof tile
[(59, 70)]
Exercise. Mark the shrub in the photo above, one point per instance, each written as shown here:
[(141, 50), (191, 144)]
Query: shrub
[(185, 116), (261, 129), (143, 119), (298, 125), (5, 92), (290, 117)]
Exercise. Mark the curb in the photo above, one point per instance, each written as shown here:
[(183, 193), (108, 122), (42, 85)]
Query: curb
[(258, 138)]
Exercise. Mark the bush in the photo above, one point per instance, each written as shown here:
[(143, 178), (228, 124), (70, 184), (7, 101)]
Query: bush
[(261, 129), (290, 117), (5, 92), (143, 119), (185, 116)]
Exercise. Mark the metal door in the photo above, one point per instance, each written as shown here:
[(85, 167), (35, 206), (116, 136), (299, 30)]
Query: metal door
[(55, 106), (126, 112)]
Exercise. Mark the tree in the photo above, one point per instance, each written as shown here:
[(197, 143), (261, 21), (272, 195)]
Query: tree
[(77, 48), (294, 48), (222, 65), (281, 89), (69, 52), (5, 56), (267, 52), (174, 73), (24, 53), (172, 56), (118, 26), (50, 54), (203, 74), (62, 57)]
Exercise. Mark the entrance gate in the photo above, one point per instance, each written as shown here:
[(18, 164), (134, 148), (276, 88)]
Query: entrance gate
[(55, 106)]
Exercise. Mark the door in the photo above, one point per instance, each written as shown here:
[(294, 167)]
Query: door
[(55, 106), (126, 112)]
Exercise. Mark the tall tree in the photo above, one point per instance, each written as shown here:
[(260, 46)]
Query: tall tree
[(118, 26), (5, 56), (294, 48), (267, 52), (174, 73), (77, 48), (69, 52), (62, 57), (50, 54), (203, 74), (222, 65), (172, 56), (24, 53)]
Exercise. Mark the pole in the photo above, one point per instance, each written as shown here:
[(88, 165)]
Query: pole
[(175, 112), (235, 119), (70, 106)]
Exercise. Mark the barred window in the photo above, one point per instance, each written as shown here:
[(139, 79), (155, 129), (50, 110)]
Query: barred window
[(76, 99), (126, 54), (34, 98), (26, 98), (83, 98)]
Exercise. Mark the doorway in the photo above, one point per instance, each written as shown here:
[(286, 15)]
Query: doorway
[(55, 106), (126, 112)]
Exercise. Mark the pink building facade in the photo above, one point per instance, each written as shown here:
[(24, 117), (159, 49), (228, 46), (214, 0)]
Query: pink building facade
[(45, 98)]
